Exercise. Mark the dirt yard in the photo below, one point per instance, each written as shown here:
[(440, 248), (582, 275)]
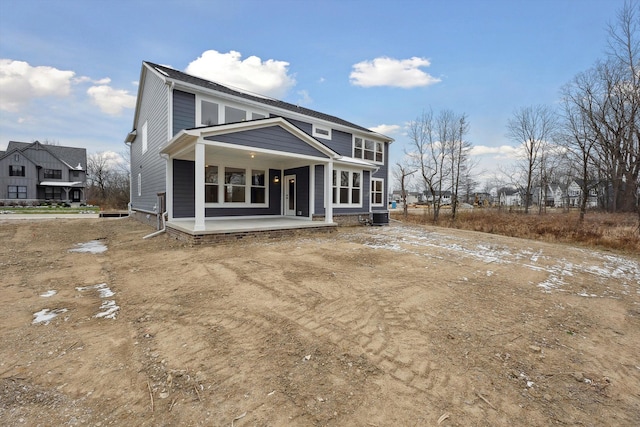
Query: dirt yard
[(391, 326)]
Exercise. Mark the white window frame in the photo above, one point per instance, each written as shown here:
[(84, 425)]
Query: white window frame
[(249, 112), (145, 142), (247, 187), (139, 184), (375, 151), (315, 131), (374, 192), (338, 174)]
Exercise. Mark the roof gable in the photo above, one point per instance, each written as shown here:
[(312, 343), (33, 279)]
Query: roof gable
[(171, 74), (73, 157)]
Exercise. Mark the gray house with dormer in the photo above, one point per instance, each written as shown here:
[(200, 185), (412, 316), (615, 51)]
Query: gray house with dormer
[(203, 154), (32, 173)]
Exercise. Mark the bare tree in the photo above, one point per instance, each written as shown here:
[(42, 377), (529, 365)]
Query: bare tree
[(532, 127), (458, 152), (402, 173), (108, 179)]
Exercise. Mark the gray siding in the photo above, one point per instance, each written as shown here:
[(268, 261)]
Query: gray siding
[(272, 138), (184, 111), (154, 110), (30, 180), (302, 189), (184, 193)]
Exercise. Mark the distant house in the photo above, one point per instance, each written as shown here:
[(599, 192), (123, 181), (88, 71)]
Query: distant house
[(510, 197), (575, 194), (36, 172), (413, 197), (445, 197), (482, 199), (209, 156)]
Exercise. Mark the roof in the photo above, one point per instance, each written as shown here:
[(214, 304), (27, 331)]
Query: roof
[(71, 156), (179, 76)]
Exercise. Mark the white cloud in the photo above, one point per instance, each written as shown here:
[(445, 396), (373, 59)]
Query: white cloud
[(20, 83), (111, 101), (386, 129), (305, 98), (268, 77), (385, 71), (503, 151)]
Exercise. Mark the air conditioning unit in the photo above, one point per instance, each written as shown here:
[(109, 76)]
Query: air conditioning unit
[(380, 218)]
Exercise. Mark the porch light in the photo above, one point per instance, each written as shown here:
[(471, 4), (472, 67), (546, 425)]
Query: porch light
[(253, 155), (276, 179)]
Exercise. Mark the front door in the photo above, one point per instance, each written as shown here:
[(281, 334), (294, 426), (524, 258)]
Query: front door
[(290, 195), (75, 195)]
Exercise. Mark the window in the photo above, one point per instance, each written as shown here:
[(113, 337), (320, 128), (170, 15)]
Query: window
[(368, 149), (15, 170), (208, 113), (144, 138), (233, 115), (16, 157), (53, 193), (255, 116), (346, 187), (321, 132), (258, 189), (52, 174), (211, 184), (235, 182), (17, 192), (75, 174), (139, 184), (377, 192)]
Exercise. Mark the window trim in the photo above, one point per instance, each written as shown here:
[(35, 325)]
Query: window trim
[(139, 184), (17, 192), (372, 199), (335, 188), (222, 105), (22, 169), (375, 151), (315, 131), (248, 186)]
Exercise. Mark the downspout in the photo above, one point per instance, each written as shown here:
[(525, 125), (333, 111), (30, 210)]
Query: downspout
[(156, 233)]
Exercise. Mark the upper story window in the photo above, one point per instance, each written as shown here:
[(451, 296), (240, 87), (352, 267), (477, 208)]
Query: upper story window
[(52, 174), (145, 143), (210, 113), (75, 174), (233, 115), (321, 132), (367, 149), (16, 170)]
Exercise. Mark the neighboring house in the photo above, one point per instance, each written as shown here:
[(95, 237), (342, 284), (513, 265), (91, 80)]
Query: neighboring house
[(206, 153), (574, 193), (482, 199), (445, 197), (413, 197), (542, 196), (509, 197), (35, 173)]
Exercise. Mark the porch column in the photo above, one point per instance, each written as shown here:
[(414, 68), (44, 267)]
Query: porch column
[(199, 187), (328, 192)]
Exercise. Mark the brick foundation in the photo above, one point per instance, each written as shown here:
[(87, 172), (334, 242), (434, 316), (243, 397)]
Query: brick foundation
[(218, 238)]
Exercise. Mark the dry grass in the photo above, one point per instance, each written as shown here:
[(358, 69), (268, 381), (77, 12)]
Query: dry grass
[(612, 231)]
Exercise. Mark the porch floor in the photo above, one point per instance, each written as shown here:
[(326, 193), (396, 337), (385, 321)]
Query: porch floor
[(243, 225)]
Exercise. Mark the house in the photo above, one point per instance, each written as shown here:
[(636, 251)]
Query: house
[(509, 197), (574, 193), (217, 159), (413, 197), (32, 173), (445, 197)]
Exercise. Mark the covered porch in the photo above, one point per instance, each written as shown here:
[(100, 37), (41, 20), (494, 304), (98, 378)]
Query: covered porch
[(254, 177)]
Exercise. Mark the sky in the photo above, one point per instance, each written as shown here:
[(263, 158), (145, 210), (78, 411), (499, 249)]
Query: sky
[(69, 69)]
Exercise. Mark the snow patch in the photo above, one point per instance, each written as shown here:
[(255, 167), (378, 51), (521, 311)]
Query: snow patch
[(92, 246), (108, 307), (49, 294), (46, 315)]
